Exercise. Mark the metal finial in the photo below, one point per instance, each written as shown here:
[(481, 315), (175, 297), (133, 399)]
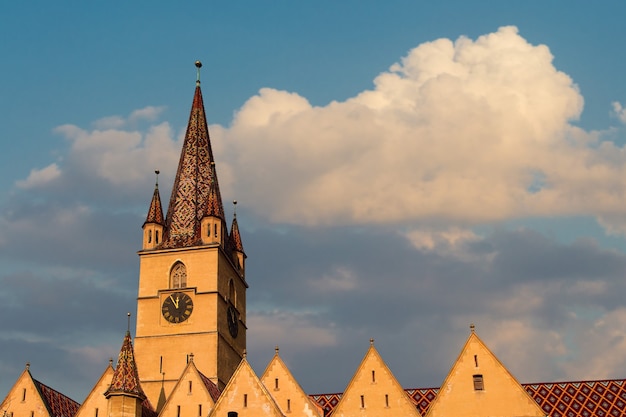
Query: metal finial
[(111, 362), (191, 357), (128, 328), (235, 214), (27, 366), (276, 349), (372, 341), (157, 172), (245, 353), (472, 327), (198, 66)]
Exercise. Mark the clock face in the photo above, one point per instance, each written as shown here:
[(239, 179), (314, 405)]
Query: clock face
[(233, 321), (177, 307)]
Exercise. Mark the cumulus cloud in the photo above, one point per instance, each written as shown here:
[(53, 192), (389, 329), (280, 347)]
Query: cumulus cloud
[(40, 177), (462, 132)]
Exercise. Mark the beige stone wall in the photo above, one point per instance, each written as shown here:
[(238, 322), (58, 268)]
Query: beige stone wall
[(23, 399), (501, 394), (123, 406), (161, 346)]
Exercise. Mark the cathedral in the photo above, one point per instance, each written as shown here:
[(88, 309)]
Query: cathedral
[(188, 356)]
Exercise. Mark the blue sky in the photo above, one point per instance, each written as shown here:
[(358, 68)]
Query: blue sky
[(402, 168)]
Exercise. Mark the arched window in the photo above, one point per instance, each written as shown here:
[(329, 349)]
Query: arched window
[(178, 276), (232, 294), (149, 236)]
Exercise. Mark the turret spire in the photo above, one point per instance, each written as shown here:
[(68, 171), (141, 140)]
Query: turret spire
[(125, 379), (196, 190), (235, 236), (155, 212)]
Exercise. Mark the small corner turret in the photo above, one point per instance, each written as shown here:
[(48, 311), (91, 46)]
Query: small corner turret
[(238, 254), (153, 226)]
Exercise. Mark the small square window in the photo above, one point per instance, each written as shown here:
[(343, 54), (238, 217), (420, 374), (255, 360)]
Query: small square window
[(479, 384)]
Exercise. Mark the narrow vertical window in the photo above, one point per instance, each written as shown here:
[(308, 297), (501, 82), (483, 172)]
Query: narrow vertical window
[(190, 382), (178, 411), (362, 401), (245, 400), (373, 376), (476, 360), (32, 414), (387, 400), (200, 410), (215, 229), (161, 365), (24, 394), (479, 383), (288, 405), (149, 236), (276, 383), (156, 234), (96, 414)]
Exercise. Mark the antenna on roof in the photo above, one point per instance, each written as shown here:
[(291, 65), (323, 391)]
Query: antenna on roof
[(198, 65)]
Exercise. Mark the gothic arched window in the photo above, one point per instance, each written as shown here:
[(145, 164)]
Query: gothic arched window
[(178, 276), (232, 295)]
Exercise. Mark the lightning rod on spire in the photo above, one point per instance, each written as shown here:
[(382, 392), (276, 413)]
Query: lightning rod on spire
[(198, 66)]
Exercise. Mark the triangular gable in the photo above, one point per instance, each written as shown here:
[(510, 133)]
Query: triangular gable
[(479, 385), (374, 391), (245, 395), (286, 391), (193, 395), (29, 395), (95, 399)]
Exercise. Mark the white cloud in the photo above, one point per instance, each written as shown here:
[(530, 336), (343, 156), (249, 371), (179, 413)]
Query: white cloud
[(40, 177), (620, 112), (465, 132)]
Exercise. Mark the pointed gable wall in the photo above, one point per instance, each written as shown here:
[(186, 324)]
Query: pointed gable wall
[(193, 395), (29, 397), (479, 385), (374, 391), (246, 395), (95, 399), (286, 391)]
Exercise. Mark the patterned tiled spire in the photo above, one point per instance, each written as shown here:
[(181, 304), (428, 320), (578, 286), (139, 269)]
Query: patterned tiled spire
[(155, 212), (126, 378), (235, 236), (196, 189)]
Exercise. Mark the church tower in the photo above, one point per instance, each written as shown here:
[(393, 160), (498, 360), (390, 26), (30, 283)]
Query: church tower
[(192, 287)]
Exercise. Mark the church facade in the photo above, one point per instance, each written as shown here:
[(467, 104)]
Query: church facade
[(189, 352)]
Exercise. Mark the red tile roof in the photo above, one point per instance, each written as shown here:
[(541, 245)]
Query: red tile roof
[(58, 405), (602, 398), (126, 378), (214, 391), (196, 191), (155, 212)]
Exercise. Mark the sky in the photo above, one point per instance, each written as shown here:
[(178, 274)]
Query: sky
[(402, 169)]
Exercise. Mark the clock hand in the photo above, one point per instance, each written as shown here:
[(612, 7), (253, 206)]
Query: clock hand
[(174, 301)]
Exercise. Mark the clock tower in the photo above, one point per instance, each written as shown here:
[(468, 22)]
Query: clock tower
[(192, 286)]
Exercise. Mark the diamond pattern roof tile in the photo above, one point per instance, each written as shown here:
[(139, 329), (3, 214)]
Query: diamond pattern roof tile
[(196, 190), (126, 378), (58, 405), (600, 398)]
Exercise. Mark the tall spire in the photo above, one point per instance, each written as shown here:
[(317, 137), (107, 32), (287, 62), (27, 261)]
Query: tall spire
[(155, 212), (125, 379), (196, 192)]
